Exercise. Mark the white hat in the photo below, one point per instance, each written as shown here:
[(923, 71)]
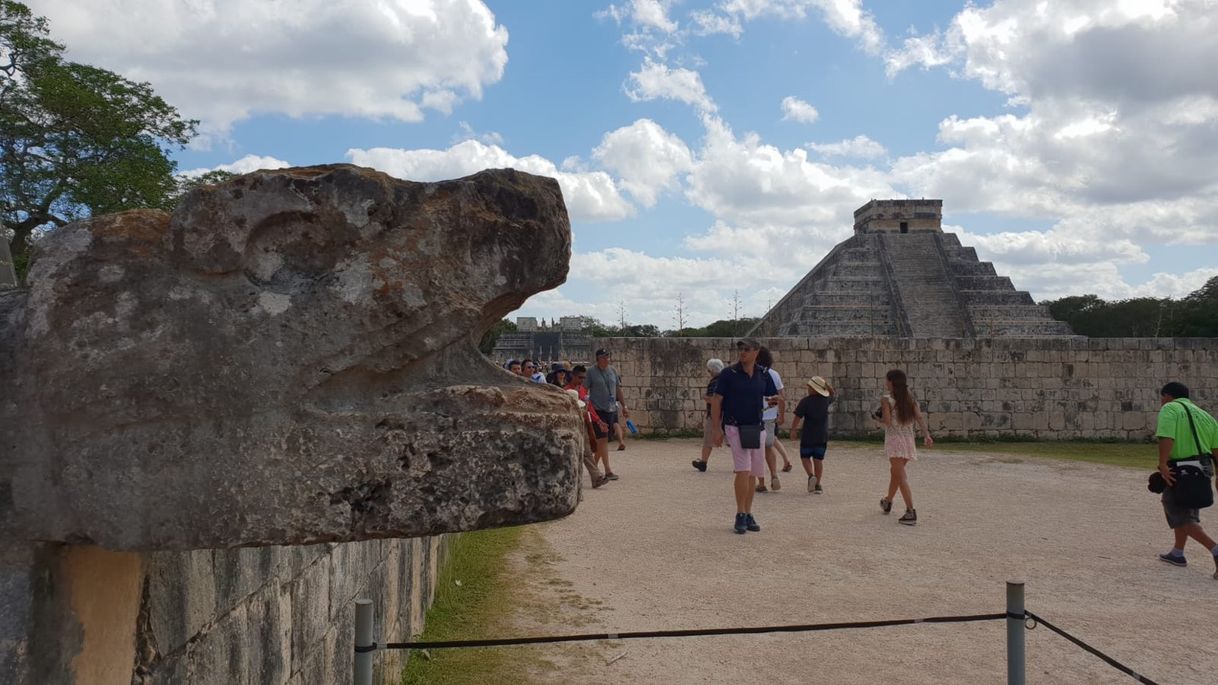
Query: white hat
[(575, 393), (820, 385)]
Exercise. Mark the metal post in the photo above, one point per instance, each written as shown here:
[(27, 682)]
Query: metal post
[(1015, 633), (364, 645)]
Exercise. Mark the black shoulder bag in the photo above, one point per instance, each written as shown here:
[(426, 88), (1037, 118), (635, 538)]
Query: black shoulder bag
[(1192, 489)]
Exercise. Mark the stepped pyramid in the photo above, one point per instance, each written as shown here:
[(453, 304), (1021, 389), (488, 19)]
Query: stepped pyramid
[(901, 276)]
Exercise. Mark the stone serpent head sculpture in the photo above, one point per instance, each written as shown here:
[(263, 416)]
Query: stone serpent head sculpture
[(290, 357)]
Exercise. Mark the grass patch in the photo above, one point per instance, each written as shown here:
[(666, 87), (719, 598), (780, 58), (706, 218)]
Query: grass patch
[(475, 608), (1125, 454)]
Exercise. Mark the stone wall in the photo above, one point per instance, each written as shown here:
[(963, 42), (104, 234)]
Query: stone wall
[(1058, 388), (265, 615)]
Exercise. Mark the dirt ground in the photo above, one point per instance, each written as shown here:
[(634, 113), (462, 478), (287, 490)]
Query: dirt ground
[(655, 550)]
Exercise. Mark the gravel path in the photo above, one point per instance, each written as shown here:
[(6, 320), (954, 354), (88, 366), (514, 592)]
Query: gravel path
[(657, 551)]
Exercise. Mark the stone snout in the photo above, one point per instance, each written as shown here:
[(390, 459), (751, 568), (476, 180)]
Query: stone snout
[(288, 358)]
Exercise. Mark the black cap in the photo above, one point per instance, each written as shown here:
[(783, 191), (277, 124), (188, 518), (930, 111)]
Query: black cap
[(748, 342), (602, 352)]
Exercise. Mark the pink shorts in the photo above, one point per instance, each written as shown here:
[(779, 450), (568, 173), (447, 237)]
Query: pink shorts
[(744, 460)]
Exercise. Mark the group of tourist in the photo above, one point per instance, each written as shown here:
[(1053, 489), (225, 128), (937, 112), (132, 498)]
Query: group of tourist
[(745, 406), (598, 391)]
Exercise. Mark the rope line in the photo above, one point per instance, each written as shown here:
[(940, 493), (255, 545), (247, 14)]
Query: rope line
[(694, 632), (1086, 647), (1030, 619)]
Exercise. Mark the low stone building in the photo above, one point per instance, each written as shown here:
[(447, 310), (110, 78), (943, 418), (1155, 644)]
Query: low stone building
[(565, 340), (901, 276)]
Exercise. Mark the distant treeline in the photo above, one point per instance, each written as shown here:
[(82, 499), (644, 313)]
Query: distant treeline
[(724, 328), (1193, 316)]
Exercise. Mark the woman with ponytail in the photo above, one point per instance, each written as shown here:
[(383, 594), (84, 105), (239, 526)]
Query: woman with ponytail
[(899, 413)]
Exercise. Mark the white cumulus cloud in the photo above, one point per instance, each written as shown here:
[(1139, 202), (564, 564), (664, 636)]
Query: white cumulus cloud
[(244, 165), (794, 109), (844, 17), (589, 195), (225, 60), (655, 80), (859, 146), (645, 157)]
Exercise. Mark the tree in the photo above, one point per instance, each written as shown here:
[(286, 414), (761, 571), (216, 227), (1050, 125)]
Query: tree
[(75, 140), (1196, 315), (185, 184), (489, 338)]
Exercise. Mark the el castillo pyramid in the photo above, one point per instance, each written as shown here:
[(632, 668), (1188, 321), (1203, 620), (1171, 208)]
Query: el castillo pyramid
[(901, 276)]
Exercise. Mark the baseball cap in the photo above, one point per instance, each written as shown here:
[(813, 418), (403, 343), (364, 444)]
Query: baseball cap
[(602, 352), (748, 342)]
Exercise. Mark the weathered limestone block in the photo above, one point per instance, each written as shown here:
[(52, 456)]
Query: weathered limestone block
[(288, 358)]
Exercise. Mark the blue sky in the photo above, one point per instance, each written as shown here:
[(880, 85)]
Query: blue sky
[(685, 172)]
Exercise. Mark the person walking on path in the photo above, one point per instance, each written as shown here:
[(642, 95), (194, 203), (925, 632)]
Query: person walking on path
[(605, 394), (899, 413), (813, 410), (590, 419), (713, 367), (736, 415), (1185, 432), (773, 416)]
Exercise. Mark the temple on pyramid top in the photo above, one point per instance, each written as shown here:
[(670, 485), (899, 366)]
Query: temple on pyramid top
[(901, 276), (899, 216)]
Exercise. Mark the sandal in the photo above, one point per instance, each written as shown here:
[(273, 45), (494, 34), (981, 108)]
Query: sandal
[(786, 468), (621, 448)]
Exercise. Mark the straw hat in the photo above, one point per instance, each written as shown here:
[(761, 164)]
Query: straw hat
[(820, 385)]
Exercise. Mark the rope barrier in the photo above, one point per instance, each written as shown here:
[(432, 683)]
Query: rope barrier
[(1083, 645), (695, 632), (365, 646)]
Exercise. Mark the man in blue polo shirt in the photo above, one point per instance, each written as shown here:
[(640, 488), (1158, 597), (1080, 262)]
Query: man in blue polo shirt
[(740, 392)]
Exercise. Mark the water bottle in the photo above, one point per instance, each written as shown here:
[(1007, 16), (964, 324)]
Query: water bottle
[(631, 428)]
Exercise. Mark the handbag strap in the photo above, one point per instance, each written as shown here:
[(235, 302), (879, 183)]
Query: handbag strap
[(1192, 426)]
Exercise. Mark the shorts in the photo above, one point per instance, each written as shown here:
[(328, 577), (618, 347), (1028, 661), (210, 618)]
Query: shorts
[(816, 452), (708, 434), (610, 419), (751, 460), (771, 433), (1177, 516)]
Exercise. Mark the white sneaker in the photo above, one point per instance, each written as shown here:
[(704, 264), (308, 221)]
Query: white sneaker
[(774, 484), (811, 483)]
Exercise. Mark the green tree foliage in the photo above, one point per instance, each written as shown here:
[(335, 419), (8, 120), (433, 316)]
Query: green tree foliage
[(489, 338), (75, 140), (723, 328), (599, 329), (185, 184), (1143, 317)]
